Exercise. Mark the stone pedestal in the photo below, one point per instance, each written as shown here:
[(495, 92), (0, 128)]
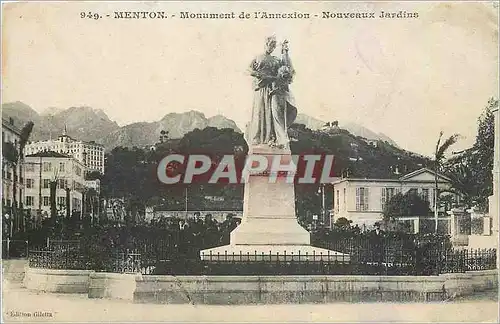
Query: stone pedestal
[(457, 216), (269, 229)]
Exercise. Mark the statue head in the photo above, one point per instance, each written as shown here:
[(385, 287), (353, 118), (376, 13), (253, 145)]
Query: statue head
[(270, 44)]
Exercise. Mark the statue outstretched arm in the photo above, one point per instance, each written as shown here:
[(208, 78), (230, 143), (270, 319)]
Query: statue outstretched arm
[(285, 57)]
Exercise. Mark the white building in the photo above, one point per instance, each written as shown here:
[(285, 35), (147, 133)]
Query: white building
[(11, 133), (44, 167), (363, 200), (89, 153)]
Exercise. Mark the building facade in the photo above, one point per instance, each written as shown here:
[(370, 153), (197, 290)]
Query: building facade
[(44, 167), (11, 134), (90, 154), (363, 200)]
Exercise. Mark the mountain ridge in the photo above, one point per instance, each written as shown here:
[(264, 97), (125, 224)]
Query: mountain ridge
[(93, 124)]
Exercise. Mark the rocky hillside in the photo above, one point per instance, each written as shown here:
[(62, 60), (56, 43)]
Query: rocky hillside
[(91, 124), (83, 123), (353, 128)]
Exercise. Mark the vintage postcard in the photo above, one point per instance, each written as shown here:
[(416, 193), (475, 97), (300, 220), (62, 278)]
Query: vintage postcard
[(250, 161)]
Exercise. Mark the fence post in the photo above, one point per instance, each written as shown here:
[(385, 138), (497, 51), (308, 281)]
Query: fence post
[(8, 247)]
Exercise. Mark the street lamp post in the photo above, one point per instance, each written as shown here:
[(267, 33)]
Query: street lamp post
[(9, 236), (321, 191), (186, 202)]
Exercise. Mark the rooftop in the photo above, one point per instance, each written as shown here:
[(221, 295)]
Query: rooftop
[(49, 154), (405, 178), (71, 138), (10, 124)]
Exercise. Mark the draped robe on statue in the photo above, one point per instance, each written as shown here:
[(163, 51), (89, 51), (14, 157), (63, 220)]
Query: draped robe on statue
[(274, 108)]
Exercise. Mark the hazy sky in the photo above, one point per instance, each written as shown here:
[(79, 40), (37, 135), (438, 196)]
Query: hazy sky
[(407, 78)]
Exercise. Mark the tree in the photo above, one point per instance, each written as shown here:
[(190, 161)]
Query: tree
[(409, 204), (342, 223), (470, 170), (93, 175), (484, 150), (163, 136), (439, 156)]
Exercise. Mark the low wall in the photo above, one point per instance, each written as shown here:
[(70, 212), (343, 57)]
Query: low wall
[(309, 289), (13, 270), (60, 281), (259, 289), (112, 285)]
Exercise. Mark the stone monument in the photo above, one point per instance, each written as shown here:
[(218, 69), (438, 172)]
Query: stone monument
[(269, 229)]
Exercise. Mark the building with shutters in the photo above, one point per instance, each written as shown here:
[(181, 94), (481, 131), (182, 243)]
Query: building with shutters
[(42, 168), (363, 200), (12, 181)]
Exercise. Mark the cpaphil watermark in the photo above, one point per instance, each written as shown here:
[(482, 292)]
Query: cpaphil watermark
[(231, 169)]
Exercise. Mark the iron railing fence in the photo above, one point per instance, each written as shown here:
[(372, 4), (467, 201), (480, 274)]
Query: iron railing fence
[(14, 249), (295, 264), (172, 255), (116, 261)]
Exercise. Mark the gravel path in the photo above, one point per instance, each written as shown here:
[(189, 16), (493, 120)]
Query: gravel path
[(20, 305)]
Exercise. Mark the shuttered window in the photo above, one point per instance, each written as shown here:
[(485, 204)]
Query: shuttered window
[(362, 195)]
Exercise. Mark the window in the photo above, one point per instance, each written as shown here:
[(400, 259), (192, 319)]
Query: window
[(29, 200), (61, 166), (387, 194), (76, 203), (30, 167), (345, 205), (61, 201), (46, 183), (46, 200), (337, 201), (362, 199), (47, 166), (425, 194), (62, 183), (30, 183)]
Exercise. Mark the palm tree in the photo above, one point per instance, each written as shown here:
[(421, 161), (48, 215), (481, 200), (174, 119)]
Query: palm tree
[(91, 199), (23, 140), (438, 163)]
